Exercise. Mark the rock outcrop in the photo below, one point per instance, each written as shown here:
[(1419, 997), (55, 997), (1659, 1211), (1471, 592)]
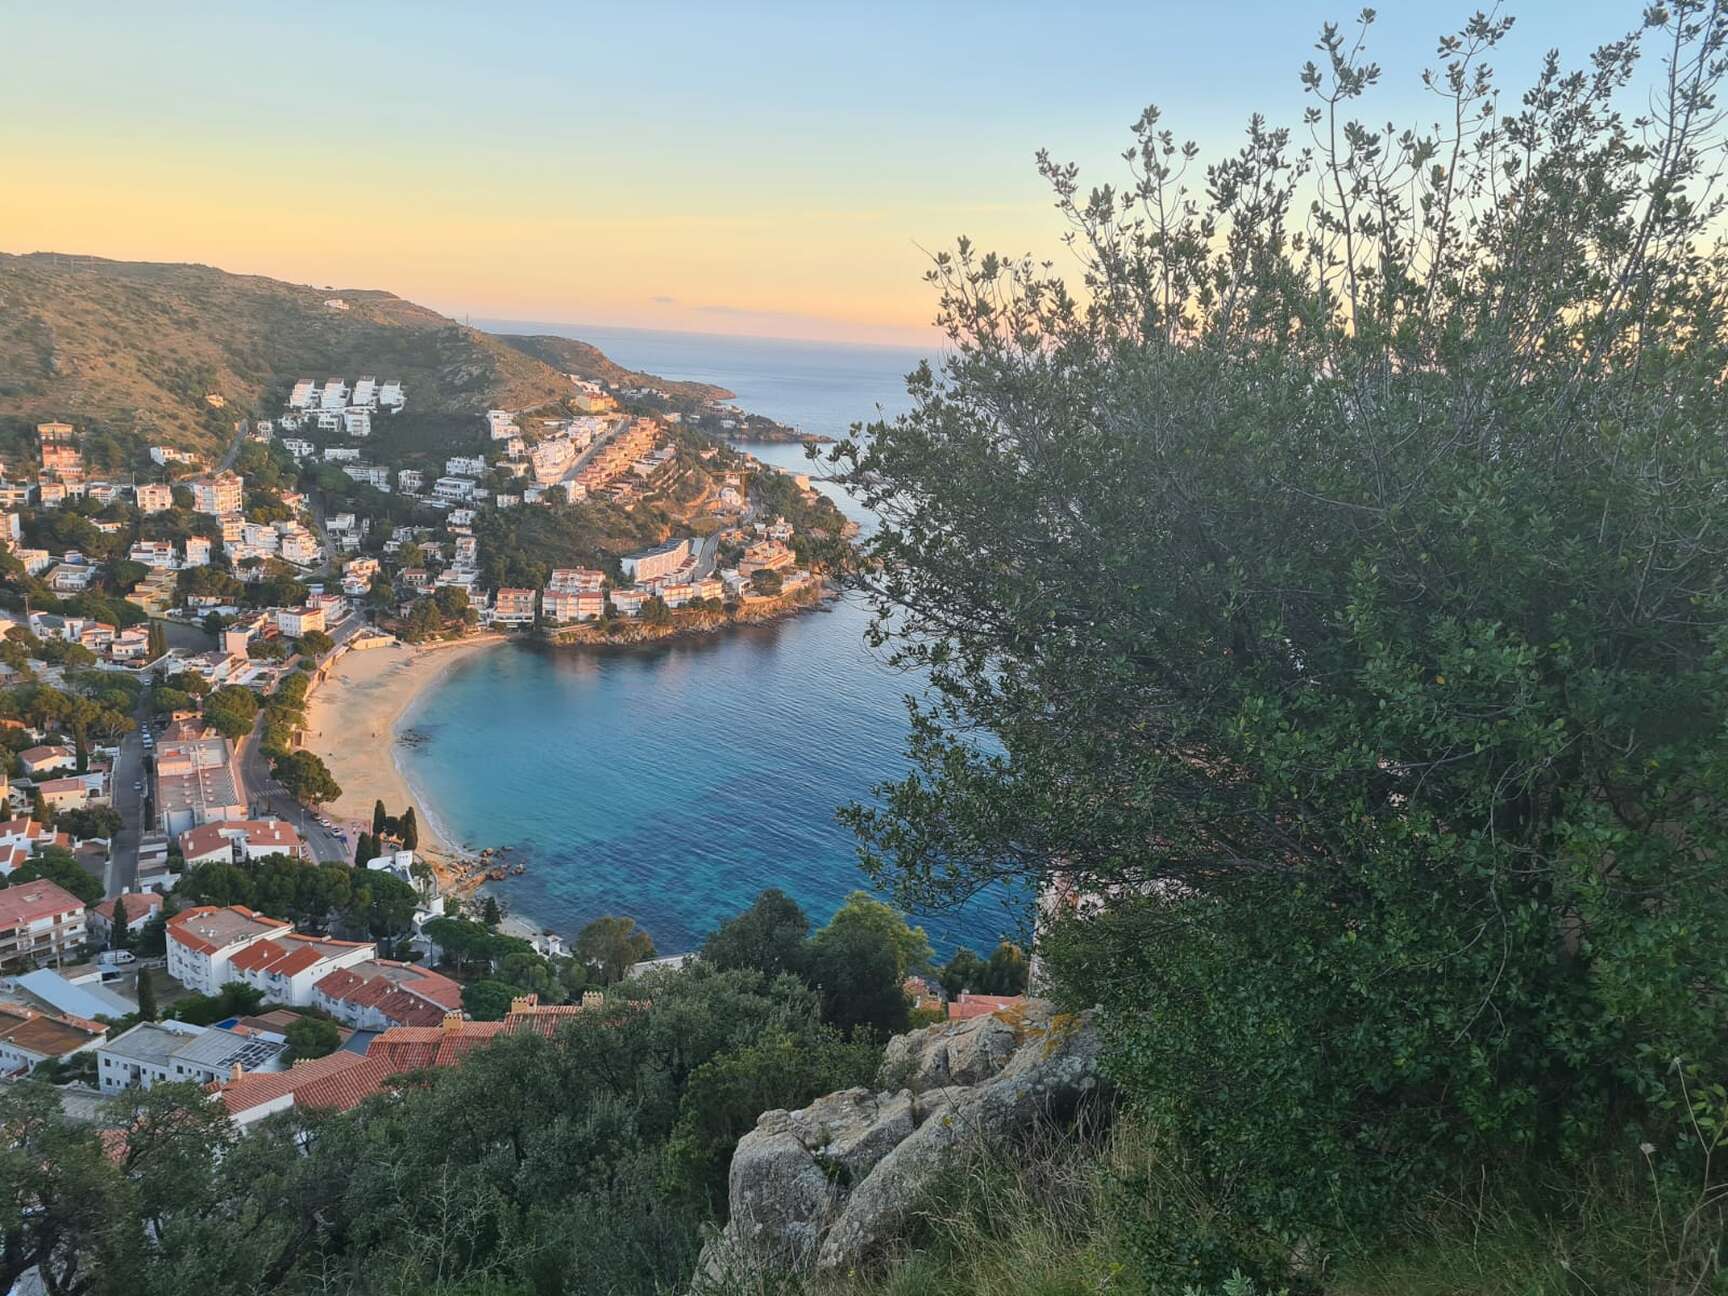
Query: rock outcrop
[(828, 1187)]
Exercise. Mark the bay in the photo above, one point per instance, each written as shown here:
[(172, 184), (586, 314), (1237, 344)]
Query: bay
[(674, 783)]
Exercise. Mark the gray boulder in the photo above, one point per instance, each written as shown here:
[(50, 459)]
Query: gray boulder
[(830, 1186)]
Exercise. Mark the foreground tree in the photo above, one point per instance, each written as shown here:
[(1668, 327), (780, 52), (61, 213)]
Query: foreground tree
[(1341, 579)]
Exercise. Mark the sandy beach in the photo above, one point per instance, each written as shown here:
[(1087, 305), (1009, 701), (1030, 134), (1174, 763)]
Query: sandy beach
[(352, 719)]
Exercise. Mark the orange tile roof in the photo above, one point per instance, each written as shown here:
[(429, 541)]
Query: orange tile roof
[(26, 902), (967, 1006), (219, 933), (342, 1085), (266, 1086), (136, 903)]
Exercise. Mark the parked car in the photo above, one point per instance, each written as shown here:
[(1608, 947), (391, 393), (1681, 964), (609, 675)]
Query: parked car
[(116, 958)]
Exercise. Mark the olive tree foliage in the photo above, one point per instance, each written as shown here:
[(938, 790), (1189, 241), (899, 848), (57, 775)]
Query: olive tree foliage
[(1339, 574)]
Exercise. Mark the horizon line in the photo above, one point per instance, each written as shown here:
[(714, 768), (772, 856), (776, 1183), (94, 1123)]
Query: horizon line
[(482, 321)]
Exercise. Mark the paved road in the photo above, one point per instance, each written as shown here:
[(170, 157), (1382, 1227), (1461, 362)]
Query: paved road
[(582, 460), (267, 797), (133, 808)]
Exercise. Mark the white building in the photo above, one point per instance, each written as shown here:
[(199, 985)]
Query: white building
[(334, 396), (301, 547), (298, 448), (357, 423), (453, 489), (365, 395), (154, 553), (295, 622), (286, 967), (374, 475), (153, 497), (304, 395), (175, 1052), (409, 481), (392, 397), (203, 941), (197, 551), (217, 495), (465, 466), (341, 454)]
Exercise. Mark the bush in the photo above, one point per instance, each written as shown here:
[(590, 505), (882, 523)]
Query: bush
[(1344, 631)]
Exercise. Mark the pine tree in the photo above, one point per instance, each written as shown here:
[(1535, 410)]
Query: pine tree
[(120, 937), (378, 818), (410, 830), (146, 995)]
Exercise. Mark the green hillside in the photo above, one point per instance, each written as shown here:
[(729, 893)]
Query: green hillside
[(133, 348)]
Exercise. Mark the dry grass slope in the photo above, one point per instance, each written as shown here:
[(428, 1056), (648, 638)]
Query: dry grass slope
[(134, 347), (585, 361)]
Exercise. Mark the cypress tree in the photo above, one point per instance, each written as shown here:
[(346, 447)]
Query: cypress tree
[(146, 995), (120, 938), (378, 818), (410, 830)]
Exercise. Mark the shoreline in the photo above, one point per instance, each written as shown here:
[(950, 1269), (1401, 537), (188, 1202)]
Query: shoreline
[(373, 694), (353, 721)]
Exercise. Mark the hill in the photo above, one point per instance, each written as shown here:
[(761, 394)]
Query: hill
[(133, 348), (583, 360)]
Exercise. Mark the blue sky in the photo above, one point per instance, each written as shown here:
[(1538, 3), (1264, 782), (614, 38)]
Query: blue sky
[(765, 168)]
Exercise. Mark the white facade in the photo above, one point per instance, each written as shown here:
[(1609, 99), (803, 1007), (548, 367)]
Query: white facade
[(453, 488), (202, 943)]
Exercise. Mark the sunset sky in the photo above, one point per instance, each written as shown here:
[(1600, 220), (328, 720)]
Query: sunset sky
[(773, 169)]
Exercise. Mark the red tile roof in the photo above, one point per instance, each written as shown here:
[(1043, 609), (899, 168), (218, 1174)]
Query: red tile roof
[(403, 993), (28, 901), (289, 953), (254, 1090), (341, 1085), (137, 903), (967, 1006), (201, 929)]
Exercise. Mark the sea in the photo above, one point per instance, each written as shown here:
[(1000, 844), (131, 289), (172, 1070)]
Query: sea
[(674, 783)]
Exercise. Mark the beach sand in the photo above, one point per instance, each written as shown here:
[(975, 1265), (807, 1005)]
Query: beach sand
[(351, 723)]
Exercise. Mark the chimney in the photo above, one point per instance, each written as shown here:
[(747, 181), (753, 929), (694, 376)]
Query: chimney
[(524, 1003), (236, 1072), (593, 999), (452, 1022)]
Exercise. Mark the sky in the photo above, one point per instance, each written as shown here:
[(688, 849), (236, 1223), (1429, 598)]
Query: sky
[(780, 170)]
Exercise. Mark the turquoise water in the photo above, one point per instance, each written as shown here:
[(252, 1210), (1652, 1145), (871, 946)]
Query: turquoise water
[(675, 783)]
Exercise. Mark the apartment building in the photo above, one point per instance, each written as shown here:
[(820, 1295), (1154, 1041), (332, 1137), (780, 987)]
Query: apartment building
[(40, 923)]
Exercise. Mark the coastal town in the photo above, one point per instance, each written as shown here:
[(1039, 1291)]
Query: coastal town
[(180, 901), (165, 631)]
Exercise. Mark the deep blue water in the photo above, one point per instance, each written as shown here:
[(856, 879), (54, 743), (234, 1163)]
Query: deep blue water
[(675, 783)]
